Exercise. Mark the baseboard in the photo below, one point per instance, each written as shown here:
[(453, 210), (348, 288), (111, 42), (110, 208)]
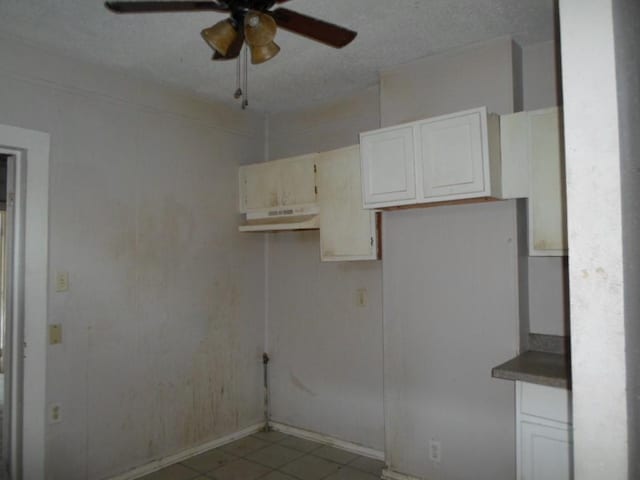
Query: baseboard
[(391, 475), (327, 440), (188, 453)]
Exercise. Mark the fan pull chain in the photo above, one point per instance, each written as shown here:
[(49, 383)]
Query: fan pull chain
[(245, 87), (238, 92)]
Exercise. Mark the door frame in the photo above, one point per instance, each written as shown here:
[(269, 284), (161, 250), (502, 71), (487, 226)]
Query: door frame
[(31, 150)]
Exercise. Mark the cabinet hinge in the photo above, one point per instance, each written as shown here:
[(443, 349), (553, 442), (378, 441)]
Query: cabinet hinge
[(315, 168), (315, 188), (372, 241)]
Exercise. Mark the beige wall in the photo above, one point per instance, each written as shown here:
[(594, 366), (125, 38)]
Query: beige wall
[(548, 276), (450, 315), (162, 325), (469, 77), (326, 351), (450, 292), (326, 369)]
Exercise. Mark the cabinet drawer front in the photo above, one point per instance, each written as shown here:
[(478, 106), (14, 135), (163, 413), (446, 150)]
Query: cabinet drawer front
[(545, 402), (452, 156), (388, 168)]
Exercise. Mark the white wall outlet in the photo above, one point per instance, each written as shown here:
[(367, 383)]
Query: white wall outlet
[(55, 413), (62, 281), (435, 451), (361, 297)]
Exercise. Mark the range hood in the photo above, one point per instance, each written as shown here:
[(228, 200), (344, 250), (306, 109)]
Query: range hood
[(299, 217)]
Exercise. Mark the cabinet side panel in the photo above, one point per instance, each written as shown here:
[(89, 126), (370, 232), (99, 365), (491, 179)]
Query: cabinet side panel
[(548, 202), (514, 154)]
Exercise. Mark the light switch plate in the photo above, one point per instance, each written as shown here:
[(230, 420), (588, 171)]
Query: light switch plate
[(55, 334), (62, 281), (361, 297), (55, 413)]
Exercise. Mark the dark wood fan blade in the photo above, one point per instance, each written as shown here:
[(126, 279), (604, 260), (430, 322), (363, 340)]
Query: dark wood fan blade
[(234, 49), (318, 30), (161, 7)]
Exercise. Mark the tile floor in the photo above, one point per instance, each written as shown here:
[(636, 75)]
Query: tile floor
[(273, 456)]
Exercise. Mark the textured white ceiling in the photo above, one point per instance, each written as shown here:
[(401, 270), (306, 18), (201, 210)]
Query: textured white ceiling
[(168, 48)]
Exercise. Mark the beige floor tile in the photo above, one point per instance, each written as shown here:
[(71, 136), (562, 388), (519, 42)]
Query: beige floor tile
[(300, 444), (278, 476), (209, 460), (346, 473), (335, 455), (239, 470), (310, 468), (368, 465), (274, 456), (174, 472), (244, 446), (271, 436)]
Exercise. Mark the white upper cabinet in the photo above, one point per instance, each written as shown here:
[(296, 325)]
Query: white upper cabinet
[(445, 158), (535, 139), (452, 154), (389, 174), (278, 183), (347, 231)]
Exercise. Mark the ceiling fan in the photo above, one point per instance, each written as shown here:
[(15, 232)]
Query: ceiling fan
[(250, 21)]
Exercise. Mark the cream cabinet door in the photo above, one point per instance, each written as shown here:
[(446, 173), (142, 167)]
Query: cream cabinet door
[(388, 166), (547, 203), (298, 180), (453, 161), (278, 183), (259, 186), (347, 230)]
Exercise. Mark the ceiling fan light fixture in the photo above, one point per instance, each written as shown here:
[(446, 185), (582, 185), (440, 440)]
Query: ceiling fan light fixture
[(220, 36), (259, 29), (264, 52)]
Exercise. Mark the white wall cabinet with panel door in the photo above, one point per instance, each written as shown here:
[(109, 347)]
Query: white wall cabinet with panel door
[(389, 166), (347, 230), (544, 432), (452, 157), (536, 138), (278, 183)]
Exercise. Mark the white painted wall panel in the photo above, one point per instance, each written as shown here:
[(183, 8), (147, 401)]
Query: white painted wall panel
[(548, 277), (163, 322), (597, 257), (470, 77), (541, 76), (548, 296), (450, 315), (326, 369), (450, 291)]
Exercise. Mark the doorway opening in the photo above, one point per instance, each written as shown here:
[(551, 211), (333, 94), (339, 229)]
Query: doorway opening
[(9, 394), (26, 301)]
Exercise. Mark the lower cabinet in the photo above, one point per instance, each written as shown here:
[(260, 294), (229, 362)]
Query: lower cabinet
[(544, 432)]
